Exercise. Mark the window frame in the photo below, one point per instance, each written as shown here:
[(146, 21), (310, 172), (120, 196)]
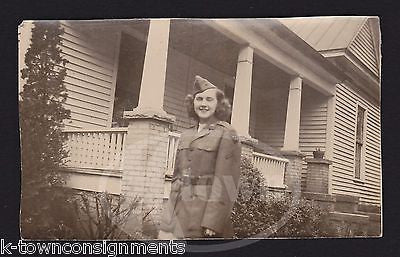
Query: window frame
[(361, 176)]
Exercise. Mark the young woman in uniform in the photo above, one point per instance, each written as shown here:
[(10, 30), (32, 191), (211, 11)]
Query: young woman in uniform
[(207, 168)]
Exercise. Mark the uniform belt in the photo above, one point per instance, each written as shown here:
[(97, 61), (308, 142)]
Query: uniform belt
[(195, 180)]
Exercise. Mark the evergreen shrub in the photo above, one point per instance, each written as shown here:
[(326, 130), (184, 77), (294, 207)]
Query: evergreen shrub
[(259, 212)]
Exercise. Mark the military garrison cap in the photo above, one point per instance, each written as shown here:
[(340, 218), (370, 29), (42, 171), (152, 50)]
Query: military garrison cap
[(201, 84)]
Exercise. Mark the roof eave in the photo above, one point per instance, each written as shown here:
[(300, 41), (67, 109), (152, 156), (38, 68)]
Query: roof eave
[(280, 46)]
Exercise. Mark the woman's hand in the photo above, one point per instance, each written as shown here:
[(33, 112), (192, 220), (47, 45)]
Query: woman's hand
[(208, 232)]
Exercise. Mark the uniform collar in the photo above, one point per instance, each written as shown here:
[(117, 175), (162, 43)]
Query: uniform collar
[(209, 126), (205, 131)]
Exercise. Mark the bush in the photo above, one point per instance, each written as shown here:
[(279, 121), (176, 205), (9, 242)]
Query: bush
[(247, 216), (291, 217), (262, 213), (55, 219), (101, 215), (41, 119)]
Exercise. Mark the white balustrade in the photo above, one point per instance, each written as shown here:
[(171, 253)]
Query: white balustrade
[(171, 152), (272, 167), (104, 150), (95, 148), (173, 139)]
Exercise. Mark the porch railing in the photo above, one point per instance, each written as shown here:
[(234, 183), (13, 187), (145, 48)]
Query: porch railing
[(173, 138), (96, 148), (103, 149), (272, 167)]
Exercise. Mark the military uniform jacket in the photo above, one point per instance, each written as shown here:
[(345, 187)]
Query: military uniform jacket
[(205, 182)]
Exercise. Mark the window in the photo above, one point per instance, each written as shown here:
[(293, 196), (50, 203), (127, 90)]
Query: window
[(360, 142)]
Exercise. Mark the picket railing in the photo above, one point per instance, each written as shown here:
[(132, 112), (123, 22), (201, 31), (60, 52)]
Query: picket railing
[(272, 167), (95, 148), (104, 150), (173, 138)]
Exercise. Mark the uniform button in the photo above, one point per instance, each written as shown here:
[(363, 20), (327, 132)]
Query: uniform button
[(191, 149)]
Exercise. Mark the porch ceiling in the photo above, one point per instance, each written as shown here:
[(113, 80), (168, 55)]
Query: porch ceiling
[(198, 40), (139, 27)]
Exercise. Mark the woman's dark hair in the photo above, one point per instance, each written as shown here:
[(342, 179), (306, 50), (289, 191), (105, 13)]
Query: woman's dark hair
[(222, 111)]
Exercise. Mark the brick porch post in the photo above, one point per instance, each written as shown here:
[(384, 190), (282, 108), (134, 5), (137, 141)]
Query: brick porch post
[(292, 177), (317, 175), (146, 144), (291, 141)]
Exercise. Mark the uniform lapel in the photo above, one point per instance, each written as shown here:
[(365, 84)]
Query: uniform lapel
[(186, 138), (201, 134)]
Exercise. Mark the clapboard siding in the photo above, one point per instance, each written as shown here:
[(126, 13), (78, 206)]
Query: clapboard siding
[(271, 119), (88, 97), (96, 73), (344, 147), (87, 86), (93, 59), (363, 48), (91, 55), (176, 87), (96, 79), (313, 121), (253, 115), (91, 37), (181, 70), (270, 130), (270, 115), (83, 110)]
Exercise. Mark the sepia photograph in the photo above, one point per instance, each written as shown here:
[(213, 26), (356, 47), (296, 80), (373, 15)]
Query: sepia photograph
[(181, 129)]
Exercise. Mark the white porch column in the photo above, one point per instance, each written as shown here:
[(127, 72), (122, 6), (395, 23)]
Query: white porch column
[(146, 143), (242, 95), (292, 128), (154, 69)]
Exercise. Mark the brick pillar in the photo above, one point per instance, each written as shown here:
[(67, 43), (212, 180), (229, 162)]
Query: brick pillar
[(317, 175), (293, 170), (144, 167), (145, 153)]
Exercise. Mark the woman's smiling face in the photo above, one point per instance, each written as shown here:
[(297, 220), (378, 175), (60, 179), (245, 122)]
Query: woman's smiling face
[(205, 104)]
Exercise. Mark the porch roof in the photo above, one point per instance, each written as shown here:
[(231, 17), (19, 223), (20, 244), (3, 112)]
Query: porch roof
[(278, 44)]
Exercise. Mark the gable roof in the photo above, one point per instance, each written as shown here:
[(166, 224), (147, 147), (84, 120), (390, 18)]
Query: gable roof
[(325, 33), (352, 35)]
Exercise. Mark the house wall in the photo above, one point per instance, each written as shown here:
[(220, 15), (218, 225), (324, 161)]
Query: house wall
[(91, 71), (270, 119), (130, 68), (363, 47), (253, 115), (313, 124), (344, 147)]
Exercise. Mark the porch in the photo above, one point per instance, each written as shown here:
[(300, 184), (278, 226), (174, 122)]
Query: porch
[(281, 103)]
